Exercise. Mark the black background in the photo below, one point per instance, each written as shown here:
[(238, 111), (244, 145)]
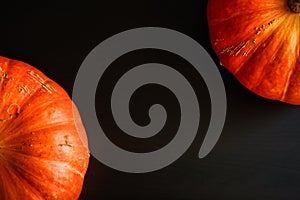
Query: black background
[(257, 156)]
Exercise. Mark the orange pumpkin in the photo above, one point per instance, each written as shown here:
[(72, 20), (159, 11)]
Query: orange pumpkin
[(43, 152), (259, 43)]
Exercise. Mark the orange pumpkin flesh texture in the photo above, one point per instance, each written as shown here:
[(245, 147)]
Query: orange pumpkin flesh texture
[(259, 43), (43, 146)]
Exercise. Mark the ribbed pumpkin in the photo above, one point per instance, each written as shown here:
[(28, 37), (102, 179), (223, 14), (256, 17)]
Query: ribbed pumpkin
[(259, 43), (43, 144)]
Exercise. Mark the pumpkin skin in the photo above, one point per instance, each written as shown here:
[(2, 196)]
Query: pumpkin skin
[(43, 151), (259, 43)]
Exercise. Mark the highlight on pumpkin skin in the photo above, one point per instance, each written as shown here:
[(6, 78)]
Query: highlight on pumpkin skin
[(258, 42)]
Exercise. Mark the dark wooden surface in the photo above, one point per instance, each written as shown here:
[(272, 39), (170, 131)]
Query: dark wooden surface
[(257, 156)]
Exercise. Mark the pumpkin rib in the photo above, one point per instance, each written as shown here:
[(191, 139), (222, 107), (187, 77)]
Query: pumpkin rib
[(30, 106), (287, 84), (292, 70), (46, 161), (216, 22), (35, 194), (255, 85), (38, 111), (292, 57), (9, 151), (41, 195), (35, 97), (9, 69), (33, 94), (15, 136), (18, 129), (18, 126), (238, 15), (35, 146), (39, 180), (36, 180), (30, 98), (251, 52), (11, 178), (17, 177), (264, 73), (218, 7), (250, 48), (296, 64), (294, 96)]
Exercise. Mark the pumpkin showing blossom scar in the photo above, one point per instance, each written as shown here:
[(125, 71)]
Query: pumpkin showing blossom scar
[(259, 43), (43, 144)]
